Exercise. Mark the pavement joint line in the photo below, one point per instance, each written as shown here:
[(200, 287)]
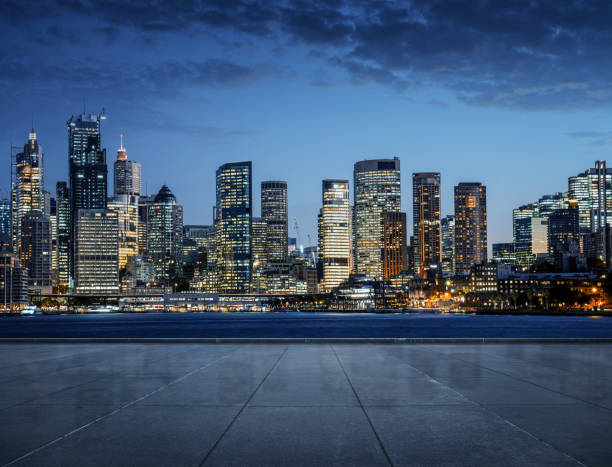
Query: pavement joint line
[(43, 360), (231, 423), (117, 410), (500, 417), (93, 379), (365, 413), (531, 382), (96, 378), (52, 371), (305, 340)]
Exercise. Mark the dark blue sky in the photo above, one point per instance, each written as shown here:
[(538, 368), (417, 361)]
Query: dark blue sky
[(514, 94)]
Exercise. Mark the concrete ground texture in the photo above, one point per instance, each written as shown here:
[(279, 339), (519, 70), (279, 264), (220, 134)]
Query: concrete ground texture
[(305, 404)]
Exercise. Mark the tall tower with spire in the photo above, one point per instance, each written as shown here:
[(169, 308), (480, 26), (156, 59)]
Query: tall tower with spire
[(126, 174), (29, 183)]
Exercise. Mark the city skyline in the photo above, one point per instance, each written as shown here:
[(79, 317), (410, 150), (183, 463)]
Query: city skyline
[(320, 85), (575, 189)]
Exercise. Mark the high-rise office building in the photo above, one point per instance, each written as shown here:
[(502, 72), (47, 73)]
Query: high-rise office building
[(35, 250), (87, 168), (165, 235), (143, 217), (13, 283), (448, 245), (334, 235), (53, 222), (96, 252), (63, 228), (470, 226), (530, 237), (126, 174), (29, 184), (563, 232), (205, 237), (87, 161), (503, 253), (126, 207), (377, 190), (526, 250), (426, 221), (593, 191), (394, 243), (233, 213), (260, 253), (274, 214), (5, 217)]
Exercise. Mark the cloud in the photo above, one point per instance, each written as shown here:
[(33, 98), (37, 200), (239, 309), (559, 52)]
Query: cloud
[(516, 54), (93, 79)]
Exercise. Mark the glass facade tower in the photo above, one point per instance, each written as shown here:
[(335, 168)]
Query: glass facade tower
[(62, 225), (470, 226), (448, 245), (593, 191), (233, 214), (426, 221), (334, 235), (274, 214), (377, 191), (164, 235), (87, 168), (29, 181)]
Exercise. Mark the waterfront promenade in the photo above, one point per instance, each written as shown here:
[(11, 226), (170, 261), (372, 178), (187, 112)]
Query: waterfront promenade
[(305, 404)]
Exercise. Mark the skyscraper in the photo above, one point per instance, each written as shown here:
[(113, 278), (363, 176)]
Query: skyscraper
[(127, 174), (334, 235), (563, 228), (530, 236), (233, 213), (35, 250), (377, 190), (96, 257), (274, 214), (205, 237), (87, 168), (593, 191), (448, 245), (126, 207), (29, 181), (165, 235), (53, 223), (63, 244), (394, 243), (87, 163), (5, 217), (143, 217), (260, 253), (470, 226), (426, 221)]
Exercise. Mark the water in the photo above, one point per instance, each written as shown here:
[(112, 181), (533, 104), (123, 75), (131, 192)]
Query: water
[(159, 325)]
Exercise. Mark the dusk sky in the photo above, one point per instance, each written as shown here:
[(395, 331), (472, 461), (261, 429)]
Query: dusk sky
[(513, 94)]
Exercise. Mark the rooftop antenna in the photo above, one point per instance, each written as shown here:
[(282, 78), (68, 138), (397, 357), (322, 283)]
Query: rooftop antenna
[(121, 148)]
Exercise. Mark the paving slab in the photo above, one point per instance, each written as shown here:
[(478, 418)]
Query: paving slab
[(306, 404), (299, 436), (458, 435), (140, 435)]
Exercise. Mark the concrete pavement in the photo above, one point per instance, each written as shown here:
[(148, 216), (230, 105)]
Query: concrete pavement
[(305, 404)]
